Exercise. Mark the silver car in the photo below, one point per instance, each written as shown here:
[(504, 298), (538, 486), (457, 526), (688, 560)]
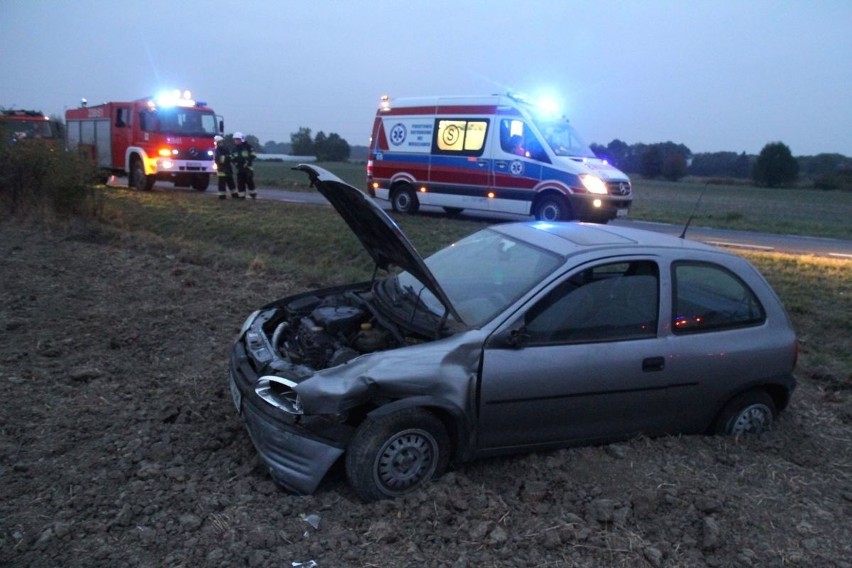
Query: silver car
[(519, 337)]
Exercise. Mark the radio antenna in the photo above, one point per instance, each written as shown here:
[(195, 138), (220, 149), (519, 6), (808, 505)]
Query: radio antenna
[(694, 209)]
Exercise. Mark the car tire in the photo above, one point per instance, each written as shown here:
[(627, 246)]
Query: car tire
[(138, 179), (404, 200), (552, 208), (396, 453), (752, 412)]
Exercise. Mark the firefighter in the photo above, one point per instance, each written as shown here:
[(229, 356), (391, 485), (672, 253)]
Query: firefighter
[(244, 158), (224, 169)]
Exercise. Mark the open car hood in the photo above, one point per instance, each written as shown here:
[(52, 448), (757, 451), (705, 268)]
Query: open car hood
[(378, 233)]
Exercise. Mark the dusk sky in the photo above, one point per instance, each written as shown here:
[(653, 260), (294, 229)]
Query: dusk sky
[(713, 75)]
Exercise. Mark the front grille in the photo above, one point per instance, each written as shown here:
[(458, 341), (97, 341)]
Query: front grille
[(618, 187)]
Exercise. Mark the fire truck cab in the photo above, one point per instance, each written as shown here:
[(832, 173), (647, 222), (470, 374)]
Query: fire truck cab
[(167, 138), (499, 153), (18, 125)]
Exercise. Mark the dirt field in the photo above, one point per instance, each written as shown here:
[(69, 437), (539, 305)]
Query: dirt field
[(120, 446)]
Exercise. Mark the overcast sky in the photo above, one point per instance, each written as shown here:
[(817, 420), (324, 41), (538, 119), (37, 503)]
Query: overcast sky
[(714, 75)]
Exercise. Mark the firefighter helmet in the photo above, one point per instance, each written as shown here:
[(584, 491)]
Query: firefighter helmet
[(239, 136), (217, 139)]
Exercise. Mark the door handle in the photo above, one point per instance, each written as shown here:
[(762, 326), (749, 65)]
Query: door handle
[(653, 364)]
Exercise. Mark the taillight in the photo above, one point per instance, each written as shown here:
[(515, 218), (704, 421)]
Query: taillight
[(369, 168)]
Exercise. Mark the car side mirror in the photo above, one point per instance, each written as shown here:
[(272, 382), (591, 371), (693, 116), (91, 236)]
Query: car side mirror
[(517, 338)]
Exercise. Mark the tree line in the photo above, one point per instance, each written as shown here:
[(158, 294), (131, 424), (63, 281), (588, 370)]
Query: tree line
[(326, 147), (775, 166)]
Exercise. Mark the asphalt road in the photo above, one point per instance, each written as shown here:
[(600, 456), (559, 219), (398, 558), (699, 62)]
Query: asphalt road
[(794, 244)]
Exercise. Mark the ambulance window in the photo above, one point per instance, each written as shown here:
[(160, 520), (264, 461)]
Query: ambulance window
[(460, 136)]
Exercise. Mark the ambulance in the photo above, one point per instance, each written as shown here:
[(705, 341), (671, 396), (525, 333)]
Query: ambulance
[(498, 153)]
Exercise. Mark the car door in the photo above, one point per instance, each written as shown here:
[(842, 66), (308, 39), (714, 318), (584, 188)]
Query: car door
[(517, 163), (585, 362)]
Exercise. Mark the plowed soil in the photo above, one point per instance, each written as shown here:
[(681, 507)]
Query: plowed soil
[(120, 446)]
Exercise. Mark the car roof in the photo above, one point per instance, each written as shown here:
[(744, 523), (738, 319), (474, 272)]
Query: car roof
[(568, 238)]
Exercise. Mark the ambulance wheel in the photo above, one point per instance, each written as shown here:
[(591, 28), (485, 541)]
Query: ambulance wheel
[(553, 208), (404, 200), (138, 179)]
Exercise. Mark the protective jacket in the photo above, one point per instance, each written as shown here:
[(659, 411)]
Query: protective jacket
[(223, 161)]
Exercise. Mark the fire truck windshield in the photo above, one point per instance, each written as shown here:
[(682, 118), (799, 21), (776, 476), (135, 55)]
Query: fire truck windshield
[(41, 129), (184, 121), (563, 139)]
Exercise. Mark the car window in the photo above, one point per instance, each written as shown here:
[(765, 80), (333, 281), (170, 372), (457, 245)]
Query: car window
[(609, 302), (708, 297)]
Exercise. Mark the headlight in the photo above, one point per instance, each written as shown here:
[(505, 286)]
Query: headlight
[(593, 184)]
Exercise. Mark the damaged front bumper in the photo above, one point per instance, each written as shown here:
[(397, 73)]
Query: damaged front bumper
[(298, 450)]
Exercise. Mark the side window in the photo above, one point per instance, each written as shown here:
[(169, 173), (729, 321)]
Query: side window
[(611, 302), (460, 136), (708, 297), (518, 139)]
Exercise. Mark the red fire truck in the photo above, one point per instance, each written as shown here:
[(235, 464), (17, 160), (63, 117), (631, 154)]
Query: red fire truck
[(168, 138), (18, 124)]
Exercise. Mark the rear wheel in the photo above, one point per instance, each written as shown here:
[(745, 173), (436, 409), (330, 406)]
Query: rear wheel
[(201, 182), (138, 179), (404, 200), (553, 208), (749, 413), (396, 453)]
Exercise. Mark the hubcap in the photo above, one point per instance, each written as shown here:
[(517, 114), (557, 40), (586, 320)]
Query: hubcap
[(405, 460), (753, 419)]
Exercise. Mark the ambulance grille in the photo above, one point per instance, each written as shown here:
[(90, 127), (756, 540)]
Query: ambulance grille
[(618, 187)]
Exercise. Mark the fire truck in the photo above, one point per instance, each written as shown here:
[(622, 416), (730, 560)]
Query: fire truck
[(167, 138), (18, 124)]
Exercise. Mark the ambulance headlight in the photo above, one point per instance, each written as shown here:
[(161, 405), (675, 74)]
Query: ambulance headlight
[(593, 184)]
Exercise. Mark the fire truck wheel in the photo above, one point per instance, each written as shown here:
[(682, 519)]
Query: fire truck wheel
[(138, 179), (200, 182), (552, 208), (404, 200)]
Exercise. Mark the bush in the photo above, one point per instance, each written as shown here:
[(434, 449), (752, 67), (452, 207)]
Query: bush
[(37, 179)]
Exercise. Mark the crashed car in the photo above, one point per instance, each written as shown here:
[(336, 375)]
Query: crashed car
[(520, 337)]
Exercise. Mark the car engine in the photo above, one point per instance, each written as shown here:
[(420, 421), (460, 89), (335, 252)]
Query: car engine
[(323, 333)]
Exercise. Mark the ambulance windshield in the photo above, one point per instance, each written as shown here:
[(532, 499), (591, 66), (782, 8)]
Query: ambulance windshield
[(563, 139)]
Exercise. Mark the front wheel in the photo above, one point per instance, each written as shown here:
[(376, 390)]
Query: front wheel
[(552, 208), (396, 453), (201, 182), (749, 413), (404, 200), (138, 179)]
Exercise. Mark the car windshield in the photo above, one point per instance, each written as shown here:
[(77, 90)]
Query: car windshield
[(563, 139), (482, 275)]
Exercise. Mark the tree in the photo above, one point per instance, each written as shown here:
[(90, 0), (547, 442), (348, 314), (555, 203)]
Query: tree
[(301, 143), (331, 148), (674, 167), (775, 166), (651, 161)]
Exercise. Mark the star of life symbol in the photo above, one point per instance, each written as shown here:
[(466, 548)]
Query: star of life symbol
[(516, 167), (397, 134)]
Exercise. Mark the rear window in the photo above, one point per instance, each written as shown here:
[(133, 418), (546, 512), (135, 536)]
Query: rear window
[(708, 297)]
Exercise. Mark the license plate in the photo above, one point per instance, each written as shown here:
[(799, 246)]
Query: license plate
[(235, 394), (621, 213), (194, 165)]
